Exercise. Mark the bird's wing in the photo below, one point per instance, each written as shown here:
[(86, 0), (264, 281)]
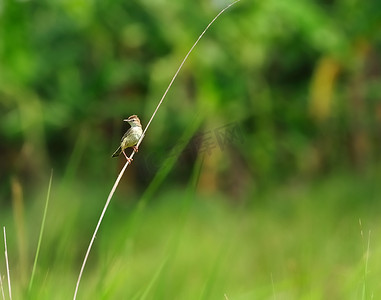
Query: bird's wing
[(125, 135)]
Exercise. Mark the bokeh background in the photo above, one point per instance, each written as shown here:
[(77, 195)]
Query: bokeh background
[(258, 178)]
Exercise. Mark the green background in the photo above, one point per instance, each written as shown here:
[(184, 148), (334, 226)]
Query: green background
[(257, 179)]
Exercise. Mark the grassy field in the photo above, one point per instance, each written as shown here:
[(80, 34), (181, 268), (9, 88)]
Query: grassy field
[(296, 241)]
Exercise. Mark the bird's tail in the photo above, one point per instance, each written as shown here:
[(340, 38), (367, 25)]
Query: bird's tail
[(117, 152)]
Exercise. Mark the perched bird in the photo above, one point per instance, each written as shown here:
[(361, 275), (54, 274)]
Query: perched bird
[(131, 137)]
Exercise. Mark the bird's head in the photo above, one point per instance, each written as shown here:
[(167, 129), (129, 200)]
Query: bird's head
[(133, 121)]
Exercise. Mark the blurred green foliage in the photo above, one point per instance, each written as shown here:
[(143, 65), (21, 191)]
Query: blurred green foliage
[(299, 82), (300, 76)]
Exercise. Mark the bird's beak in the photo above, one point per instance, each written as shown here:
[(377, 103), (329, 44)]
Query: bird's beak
[(126, 120)]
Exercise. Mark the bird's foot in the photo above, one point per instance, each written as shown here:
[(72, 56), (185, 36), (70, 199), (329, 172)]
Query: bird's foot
[(135, 148), (128, 159)]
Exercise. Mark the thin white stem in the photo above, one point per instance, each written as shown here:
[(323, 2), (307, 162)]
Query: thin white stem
[(6, 261), (96, 228), (137, 145)]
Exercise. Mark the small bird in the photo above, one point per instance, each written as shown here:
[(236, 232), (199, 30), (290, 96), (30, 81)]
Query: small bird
[(131, 137)]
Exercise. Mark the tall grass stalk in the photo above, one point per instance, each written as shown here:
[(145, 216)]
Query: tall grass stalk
[(1, 287), (98, 224), (18, 213), (366, 260), (138, 144), (41, 233), (7, 263)]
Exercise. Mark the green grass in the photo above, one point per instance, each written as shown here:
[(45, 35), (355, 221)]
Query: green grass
[(297, 241)]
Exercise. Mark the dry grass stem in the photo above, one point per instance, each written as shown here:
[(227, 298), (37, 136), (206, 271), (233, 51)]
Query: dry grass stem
[(97, 227), (137, 145), (7, 263)]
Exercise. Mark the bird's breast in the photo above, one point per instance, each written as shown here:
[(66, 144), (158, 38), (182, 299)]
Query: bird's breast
[(132, 137)]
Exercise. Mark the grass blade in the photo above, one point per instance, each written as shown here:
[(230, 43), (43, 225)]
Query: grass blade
[(41, 233), (1, 287)]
